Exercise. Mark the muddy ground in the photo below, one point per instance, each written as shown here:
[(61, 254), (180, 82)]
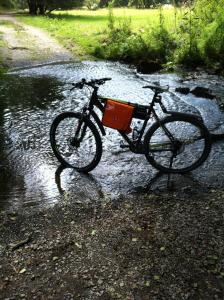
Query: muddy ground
[(150, 246)]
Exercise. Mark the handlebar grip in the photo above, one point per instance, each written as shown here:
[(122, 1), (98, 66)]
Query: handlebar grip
[(77, 85), (91, 83)]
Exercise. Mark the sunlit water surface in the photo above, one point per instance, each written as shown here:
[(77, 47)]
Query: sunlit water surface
[(31, 98)]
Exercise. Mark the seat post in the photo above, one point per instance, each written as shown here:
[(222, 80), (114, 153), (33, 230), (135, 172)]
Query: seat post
[(153, 100)]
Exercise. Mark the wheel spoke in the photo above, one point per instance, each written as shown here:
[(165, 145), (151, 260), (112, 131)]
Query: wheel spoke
[(80, 152), (188, 148)]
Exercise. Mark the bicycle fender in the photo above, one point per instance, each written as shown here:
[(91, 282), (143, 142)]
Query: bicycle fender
[(186, 115), (98, 122)]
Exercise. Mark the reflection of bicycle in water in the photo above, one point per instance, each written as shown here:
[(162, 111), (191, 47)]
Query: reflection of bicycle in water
[(85, 184), (177, 143)]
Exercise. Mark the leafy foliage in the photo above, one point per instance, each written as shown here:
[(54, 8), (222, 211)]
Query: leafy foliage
[(187, 35), (192, 35), (211, 41), (8, 3), (139, 3), (40, 6), (92, 4), (201, 34), (124, 43)]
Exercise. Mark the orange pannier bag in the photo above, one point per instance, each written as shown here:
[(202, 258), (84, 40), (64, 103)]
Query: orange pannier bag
[(118, 115)]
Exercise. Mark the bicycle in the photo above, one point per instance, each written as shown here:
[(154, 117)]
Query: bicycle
[(177, 143)]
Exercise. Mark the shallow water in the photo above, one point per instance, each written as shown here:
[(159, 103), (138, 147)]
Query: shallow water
[(31, 98)]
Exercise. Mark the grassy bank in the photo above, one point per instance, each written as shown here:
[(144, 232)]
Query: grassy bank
[(191, 36), (2, 47), (84, 31)]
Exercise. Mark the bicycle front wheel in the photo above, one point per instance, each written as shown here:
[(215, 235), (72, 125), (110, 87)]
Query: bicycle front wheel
[(177, 144), (75, 141)]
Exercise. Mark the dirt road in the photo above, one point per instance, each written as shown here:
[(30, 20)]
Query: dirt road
[(24, 45)]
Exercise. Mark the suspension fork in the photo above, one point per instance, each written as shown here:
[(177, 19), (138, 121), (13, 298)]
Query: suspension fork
[(79, 127), (86, 113), (83, 130)]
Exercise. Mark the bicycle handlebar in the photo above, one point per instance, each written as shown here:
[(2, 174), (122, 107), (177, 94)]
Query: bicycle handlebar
[(92, 83)]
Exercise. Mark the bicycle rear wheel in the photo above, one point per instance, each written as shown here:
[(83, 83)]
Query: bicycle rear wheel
[(177, 144), (75, 141)]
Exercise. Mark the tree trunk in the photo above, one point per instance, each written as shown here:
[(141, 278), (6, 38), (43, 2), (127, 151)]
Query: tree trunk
[(41, 7), (32, 7)]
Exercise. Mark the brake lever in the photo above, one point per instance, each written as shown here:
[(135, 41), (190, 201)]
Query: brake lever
[(78, 85)]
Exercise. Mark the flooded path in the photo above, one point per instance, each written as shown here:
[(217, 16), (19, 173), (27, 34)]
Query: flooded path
[(30, 176)]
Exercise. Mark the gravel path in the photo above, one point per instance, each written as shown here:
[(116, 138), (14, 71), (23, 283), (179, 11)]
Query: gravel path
[(27, 46)]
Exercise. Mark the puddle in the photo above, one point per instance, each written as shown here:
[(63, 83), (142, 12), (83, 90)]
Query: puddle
[(31, 98)]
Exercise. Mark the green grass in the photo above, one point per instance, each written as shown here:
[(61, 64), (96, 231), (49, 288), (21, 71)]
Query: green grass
[(2, 45), (140, 17), (6, 23), (192, 36), (82, 31)]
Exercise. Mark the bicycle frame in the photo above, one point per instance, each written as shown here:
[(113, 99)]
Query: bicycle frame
[(135, 146), (158, 137)]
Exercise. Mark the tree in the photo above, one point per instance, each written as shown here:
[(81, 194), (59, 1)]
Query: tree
[(13, 3), (46, 6), (92, 4), (7, 3)]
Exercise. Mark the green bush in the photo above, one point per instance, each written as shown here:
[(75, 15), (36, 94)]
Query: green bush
[(92, 4), (8, 4), (200, 39), (125, 44), (212, 41), (162, 40)]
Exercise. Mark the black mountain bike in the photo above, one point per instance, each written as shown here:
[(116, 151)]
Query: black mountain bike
[(177, 143)]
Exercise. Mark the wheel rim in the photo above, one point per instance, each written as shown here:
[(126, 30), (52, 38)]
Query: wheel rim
[(186, 151), (75, 151)]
